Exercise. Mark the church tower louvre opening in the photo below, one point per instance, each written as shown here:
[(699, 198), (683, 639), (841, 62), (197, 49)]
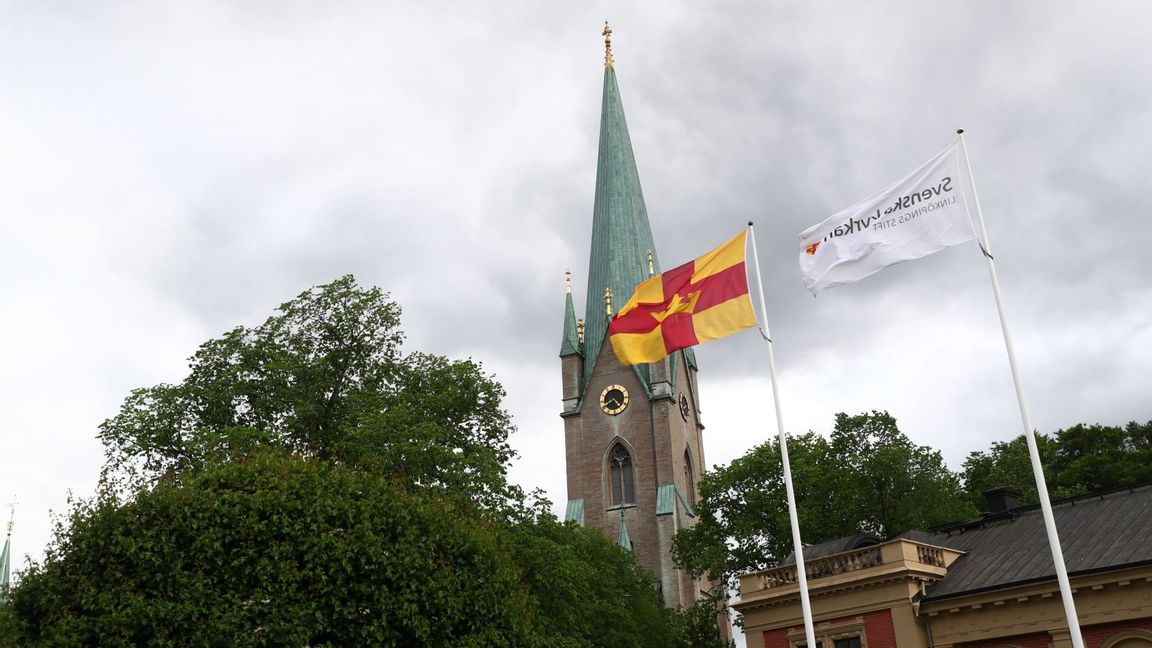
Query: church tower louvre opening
[(632, 434)]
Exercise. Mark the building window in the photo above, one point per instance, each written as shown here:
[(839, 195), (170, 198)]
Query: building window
[(844, 642), (842, 635), (621, 475), (689, 479)]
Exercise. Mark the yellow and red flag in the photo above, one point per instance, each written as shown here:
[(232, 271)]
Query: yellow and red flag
[(700, 301)]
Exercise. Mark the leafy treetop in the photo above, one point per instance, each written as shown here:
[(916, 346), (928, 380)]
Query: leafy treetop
[(867, 477), (322, 378), (1076, 460)]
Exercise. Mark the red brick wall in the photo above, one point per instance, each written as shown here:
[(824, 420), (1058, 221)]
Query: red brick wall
[(1094, 636), (877, 627)]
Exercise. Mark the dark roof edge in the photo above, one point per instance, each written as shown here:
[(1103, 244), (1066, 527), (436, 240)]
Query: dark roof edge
[(1033, 581), (964, 525)]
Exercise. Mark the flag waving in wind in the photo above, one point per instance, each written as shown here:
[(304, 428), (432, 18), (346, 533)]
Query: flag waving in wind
[(922, 213), (702, 300)]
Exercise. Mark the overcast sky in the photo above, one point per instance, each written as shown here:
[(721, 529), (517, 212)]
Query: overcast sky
[(170, 170)]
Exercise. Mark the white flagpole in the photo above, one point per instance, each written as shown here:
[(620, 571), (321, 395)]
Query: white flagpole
[(801, 576), (1029, 431)]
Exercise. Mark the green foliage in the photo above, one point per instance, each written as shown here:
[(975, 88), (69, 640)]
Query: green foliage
[(1076, 460), (1006, 464), (702, 621), (867, 477), (889, 484), (1094, 457), (323, 378), (588, 590), (309, 484), (274, 550), (742, 514)]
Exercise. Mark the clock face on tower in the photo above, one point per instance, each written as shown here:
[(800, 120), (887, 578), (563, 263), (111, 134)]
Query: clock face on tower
[(614, 399), (685, 408)]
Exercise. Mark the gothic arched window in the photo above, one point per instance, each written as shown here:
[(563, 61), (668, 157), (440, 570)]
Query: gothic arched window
[(621, 476), (689, 479)]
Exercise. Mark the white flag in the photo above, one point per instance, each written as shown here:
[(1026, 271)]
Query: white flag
[(923, 213)]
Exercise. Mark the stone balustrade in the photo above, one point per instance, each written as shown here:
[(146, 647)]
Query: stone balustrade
[(906, 552)]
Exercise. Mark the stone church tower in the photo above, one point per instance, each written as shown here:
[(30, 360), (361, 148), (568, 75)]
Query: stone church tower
[(632, 434)]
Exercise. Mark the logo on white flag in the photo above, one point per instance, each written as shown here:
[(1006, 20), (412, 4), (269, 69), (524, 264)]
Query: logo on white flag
[(922, 213)]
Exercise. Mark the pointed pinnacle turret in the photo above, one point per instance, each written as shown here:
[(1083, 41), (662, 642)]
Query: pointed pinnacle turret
[(607, 33), (622, 538), (570, 342), (6, 555)]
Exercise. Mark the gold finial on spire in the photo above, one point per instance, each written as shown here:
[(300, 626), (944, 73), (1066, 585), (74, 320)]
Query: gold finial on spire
[(651, 267), (607, 44), (568, 281), (580, 330), (608, 302)]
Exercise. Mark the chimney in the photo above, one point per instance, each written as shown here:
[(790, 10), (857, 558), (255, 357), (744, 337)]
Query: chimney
[(1002, 500)]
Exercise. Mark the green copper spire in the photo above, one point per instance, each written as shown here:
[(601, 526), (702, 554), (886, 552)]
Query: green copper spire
[(570, 344), (621, 235), (623, 540), (5, 568)]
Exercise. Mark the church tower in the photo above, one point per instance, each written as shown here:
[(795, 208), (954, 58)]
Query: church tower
[(632, 435)]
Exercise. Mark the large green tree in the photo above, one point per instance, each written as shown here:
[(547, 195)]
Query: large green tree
[(273, 549), (310, 484), (866, 477), (323, 377), (1076, 460)]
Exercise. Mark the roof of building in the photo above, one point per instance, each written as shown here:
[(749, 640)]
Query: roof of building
[(1101, 531)]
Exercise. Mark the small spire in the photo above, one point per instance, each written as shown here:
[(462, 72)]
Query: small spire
[(651, 268), (622, 539), (608, 302), (580, 330), (569, 342), (607, 45), (6, 556)]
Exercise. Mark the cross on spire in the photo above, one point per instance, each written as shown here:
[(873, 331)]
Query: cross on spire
[(607, 44), (12, 514)]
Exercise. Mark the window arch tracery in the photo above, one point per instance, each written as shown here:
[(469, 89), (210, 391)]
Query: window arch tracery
[(621, 476), (689, 477)]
